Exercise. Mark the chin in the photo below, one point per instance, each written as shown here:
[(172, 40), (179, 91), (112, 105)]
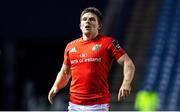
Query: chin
[(87, 33)]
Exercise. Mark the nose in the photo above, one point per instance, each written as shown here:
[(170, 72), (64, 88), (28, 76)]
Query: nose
[(87, 20), (87, 23)]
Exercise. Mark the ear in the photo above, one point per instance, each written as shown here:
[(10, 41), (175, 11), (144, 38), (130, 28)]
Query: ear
[(80, 25), (100, 26)]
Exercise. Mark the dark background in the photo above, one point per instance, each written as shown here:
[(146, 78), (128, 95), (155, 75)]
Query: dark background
[(33, 36)]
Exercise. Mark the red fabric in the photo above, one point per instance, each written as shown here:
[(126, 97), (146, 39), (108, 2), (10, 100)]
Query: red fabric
[(90, 63)]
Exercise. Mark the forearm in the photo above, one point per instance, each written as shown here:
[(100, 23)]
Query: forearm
[(129, 70), (62, 78)]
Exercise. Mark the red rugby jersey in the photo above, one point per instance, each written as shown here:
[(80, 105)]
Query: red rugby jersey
[(90, 63)]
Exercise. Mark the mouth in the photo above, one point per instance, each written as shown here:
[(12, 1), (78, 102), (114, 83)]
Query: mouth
[(87, 27)]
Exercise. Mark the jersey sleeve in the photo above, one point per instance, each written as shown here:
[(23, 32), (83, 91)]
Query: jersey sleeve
[(115, 49), (66, 56)]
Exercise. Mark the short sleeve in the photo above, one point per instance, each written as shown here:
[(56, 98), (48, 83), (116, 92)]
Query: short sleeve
[(66, 56), (115, 49)]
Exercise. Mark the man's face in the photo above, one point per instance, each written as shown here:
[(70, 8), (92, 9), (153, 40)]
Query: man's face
[(89, 24)]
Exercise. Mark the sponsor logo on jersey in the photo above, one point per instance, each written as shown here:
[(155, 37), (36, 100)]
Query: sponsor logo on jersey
[(73, 50), (96, 47), (82, 55), (116, 44), (86, 60)]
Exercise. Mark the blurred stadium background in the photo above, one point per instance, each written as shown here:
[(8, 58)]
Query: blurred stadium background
[(34, 33)]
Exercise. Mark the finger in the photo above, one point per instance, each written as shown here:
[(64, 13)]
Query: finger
[(119, 95), (129, 92), (50, 100), (126, 93), (50, 96), (122, 93)]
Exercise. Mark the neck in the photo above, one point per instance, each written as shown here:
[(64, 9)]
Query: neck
[(89, 36)]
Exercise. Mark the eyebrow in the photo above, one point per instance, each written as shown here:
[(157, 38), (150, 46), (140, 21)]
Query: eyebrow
[(89, 17)]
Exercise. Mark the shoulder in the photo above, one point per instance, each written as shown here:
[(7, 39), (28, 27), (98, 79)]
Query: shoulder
[(107, 39), (110, 41), (73, 42)]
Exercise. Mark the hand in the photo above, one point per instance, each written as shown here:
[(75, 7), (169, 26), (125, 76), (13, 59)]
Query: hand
[(124, 91), (52, 93)]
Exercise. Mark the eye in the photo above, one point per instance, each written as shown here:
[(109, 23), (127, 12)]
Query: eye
[(92, 19), (84, 19)]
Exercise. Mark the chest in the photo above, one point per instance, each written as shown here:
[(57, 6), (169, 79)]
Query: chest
[(93, 50)]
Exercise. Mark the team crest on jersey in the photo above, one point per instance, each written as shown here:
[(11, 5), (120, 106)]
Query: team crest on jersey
[(96, 47), (73, 50), (116, 44)]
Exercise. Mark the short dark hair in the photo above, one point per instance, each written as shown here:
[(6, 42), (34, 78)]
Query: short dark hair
[(93, 10)]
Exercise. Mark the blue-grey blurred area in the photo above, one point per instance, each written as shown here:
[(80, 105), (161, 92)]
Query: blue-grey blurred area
[(34, 33)]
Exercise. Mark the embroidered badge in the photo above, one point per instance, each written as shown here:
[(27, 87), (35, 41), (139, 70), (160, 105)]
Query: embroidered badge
[(96, 47)]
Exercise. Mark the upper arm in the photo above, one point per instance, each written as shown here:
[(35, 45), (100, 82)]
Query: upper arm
[(115, 49), (124, 59), (65, 69)]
